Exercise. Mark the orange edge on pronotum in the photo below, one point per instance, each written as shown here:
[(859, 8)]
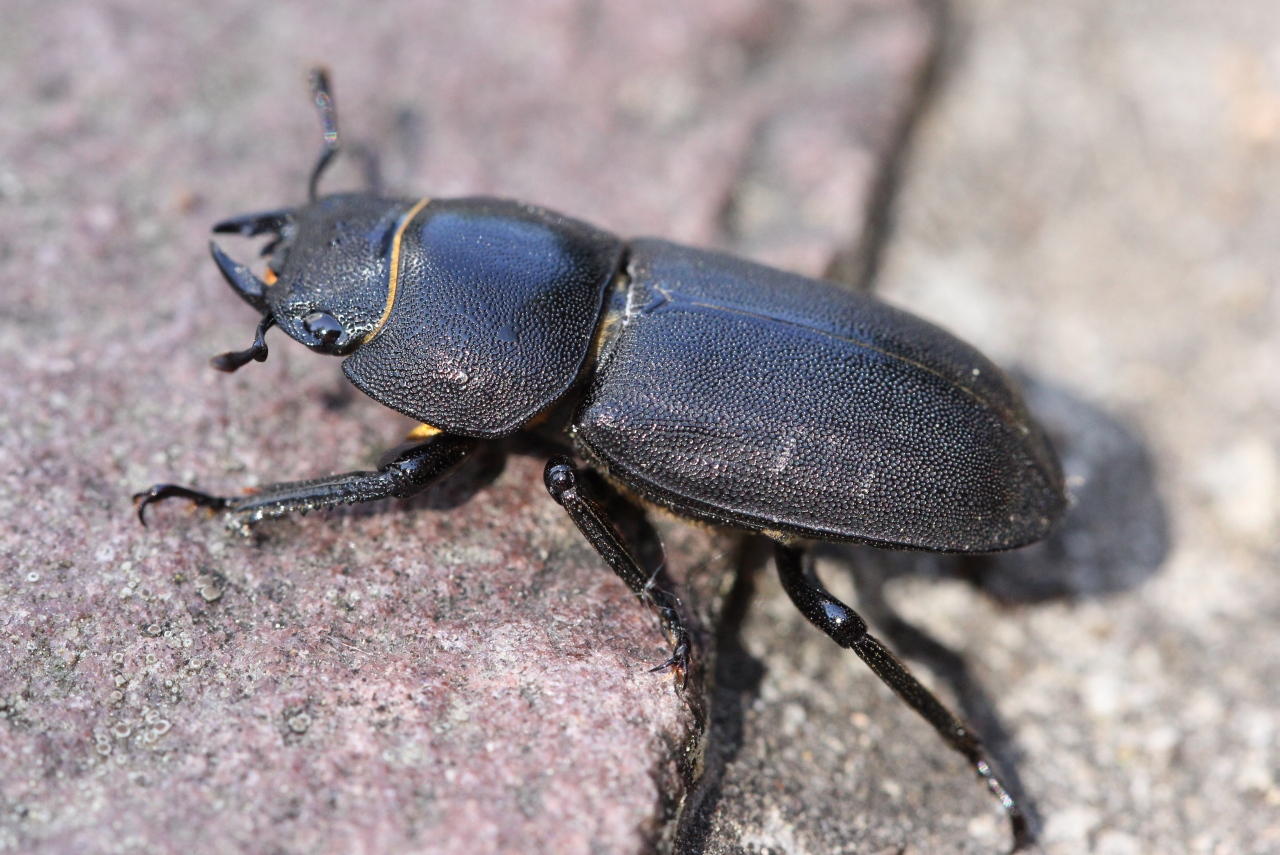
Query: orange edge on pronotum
[(393, 275)]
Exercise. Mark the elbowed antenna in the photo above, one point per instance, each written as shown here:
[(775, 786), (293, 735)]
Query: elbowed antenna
[(256, 352), (323, 96)]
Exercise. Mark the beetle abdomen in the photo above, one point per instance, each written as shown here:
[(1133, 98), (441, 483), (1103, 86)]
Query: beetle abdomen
[(740, 394)]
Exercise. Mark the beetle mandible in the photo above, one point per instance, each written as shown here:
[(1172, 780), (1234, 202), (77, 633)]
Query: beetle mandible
[(724, 391)]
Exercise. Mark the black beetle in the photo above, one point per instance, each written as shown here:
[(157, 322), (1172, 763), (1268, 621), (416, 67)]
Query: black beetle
[(722, 390)]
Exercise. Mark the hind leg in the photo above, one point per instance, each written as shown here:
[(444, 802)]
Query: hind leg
[(846, 628)]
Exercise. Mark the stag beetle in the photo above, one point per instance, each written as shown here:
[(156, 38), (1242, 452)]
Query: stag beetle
[(722, 390)]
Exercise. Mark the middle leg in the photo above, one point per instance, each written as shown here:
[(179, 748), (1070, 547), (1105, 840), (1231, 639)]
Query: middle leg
[(564, 483)]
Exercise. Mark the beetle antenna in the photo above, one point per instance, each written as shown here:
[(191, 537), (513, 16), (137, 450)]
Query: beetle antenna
[(256, 352), (323, 96)]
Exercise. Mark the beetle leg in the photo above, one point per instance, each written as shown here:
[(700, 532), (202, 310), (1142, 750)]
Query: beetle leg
[(408, 471), (564, 483), (849, 630)]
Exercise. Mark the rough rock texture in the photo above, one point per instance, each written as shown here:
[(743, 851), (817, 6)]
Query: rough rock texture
[(458, 673), (1094, 197)]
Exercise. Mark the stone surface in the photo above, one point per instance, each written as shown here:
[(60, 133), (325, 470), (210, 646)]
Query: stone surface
[(457, 673), (1094, 199)]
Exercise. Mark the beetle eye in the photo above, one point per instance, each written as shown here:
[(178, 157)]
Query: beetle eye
[(324, 327)]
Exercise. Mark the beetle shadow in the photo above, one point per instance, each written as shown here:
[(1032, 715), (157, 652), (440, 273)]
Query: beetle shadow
[(1114, 537), (1116, 534), (735, 685)]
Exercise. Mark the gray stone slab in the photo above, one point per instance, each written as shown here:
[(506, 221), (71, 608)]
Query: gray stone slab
[(1094, 200)]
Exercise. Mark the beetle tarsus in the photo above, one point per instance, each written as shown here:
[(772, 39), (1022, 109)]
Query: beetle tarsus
[(160, 492), (677, 664), (564, 483), (847, 628)]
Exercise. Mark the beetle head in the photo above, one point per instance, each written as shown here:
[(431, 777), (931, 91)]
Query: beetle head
[(328, 271), (326, 281)]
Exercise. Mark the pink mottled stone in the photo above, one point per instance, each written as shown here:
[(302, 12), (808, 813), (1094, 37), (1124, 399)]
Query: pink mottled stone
[(458, 673)]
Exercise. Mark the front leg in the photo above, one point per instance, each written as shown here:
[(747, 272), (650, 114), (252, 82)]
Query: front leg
[(564, 483), (404, 473)]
